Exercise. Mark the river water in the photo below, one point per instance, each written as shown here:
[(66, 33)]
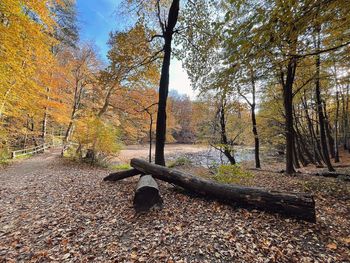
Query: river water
[(212, 157), (200, 155)]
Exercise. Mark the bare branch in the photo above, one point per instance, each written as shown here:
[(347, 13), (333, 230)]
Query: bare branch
[(154, 37), (320, 51)]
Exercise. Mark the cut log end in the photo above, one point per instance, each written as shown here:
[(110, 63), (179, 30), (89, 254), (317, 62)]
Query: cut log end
[(147, 195)]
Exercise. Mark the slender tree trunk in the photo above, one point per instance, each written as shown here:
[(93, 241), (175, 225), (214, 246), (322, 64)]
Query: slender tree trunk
[(304, 147), (256, 139), (298, 144), (150, 139), (46, 115), (315, 146), (67, 136), (44, 127), (345, 118), (255, 130), (336, 148), (224, 141), (104, 108), (328, 129), (320, 109), (164, 83), (68, 131)]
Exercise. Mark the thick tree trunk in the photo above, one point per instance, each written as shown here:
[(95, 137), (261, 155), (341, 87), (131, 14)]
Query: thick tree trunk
[(288, 110), (121, 175), (161, 114), (295, 154), (301, 206), (168, 32), (147, 195)]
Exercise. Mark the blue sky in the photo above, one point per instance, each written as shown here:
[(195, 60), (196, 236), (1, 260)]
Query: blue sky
[(97, 18)]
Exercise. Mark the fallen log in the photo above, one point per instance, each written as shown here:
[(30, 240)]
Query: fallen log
[(297, 205), (121, 175), (344, 177), (147, 195)]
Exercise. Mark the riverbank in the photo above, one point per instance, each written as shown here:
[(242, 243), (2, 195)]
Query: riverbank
[(197, 154)]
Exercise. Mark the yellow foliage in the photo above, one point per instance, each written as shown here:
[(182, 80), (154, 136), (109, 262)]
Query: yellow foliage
[(25, 43), (93, 133)]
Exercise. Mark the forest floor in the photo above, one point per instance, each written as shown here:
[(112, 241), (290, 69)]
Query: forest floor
[(54, 210)]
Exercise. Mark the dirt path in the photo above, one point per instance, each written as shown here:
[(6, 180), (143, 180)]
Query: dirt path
[(55, 211)]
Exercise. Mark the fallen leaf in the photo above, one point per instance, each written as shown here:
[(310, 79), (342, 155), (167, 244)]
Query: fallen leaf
[(332, 246)]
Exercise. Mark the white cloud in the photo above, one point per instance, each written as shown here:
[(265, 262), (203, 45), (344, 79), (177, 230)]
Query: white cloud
[(179, 79)]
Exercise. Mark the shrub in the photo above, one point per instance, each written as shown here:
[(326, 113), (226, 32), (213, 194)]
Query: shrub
[(231, 174), (4, 156), (5, 153), (98, 140), (118, 167), (180, 161)]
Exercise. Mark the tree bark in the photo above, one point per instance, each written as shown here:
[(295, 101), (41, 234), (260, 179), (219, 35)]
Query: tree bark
[(297, 205), (168, 32), (295, 154), (287, 85)]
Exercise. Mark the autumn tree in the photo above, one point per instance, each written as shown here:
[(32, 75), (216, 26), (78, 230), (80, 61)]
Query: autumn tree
[(282, 31), (26, 40), (83, 66), (163, 17)]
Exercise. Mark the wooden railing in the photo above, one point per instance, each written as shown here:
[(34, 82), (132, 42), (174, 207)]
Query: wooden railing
[(33, 150)]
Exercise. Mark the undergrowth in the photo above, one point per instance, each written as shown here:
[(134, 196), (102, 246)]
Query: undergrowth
[(180, 161), (231, 174), (119, 167)]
